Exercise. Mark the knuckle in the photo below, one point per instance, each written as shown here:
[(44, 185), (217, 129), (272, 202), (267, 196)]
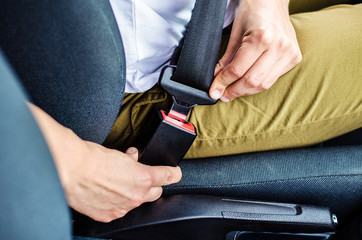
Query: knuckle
[(110, 215), (252, 81), (234, 93), (169, 177), (105, 219), (155, 195), (159, 194), (137, 200), (283, 43), (263, 35), (146, 179), (176, 176), (235, 71), (118, 213), (298, 57), (295, 50), (265, 85), (259, 31), (220, 80)]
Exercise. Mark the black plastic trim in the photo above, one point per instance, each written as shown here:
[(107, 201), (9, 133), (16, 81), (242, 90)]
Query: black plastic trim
[(196, 217)]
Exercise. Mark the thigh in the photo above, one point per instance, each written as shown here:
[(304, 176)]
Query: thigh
[(138, 119), (317, 100)]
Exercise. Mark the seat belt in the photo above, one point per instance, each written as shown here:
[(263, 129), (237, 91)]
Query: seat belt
[(187, 79)]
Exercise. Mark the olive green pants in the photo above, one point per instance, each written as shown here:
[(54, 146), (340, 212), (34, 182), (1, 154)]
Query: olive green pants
[(319, 99)]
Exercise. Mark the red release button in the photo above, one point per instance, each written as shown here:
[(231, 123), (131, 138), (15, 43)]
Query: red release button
[(186, 126)]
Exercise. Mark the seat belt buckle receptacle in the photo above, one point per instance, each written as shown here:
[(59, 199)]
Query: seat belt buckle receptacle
[(170, 142), (174, 135)]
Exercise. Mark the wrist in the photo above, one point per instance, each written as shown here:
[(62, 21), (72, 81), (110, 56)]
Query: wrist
[(255, 5), (67, 150), (64, 145), (284, 6)]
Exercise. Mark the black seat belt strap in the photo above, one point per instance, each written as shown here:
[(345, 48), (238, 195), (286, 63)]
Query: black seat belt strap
[(188, 80), (198, 57), (191, 72)]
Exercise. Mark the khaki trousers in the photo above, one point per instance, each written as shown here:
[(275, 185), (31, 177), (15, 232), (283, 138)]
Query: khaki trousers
[(319, 99)]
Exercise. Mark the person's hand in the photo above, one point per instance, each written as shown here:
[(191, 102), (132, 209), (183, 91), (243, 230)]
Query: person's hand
[(262, 47), (101, 183), (106, 184)]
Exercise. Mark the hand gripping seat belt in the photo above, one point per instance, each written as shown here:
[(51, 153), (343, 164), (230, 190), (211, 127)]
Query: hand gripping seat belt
[(188, 79)]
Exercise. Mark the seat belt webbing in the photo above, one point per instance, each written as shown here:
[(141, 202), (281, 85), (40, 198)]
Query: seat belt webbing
[(188, 80), (199, 48)]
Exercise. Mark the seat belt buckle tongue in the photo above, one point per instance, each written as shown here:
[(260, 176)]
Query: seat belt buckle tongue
[(172, 138)]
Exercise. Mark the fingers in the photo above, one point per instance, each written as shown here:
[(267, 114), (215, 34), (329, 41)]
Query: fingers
[(252, 72), (243, 59), (133, 153), (262, 35), (148, 188), (234, 43), (113, 183), (156, 176), (163, 175), (255, 79), (150, 182), (154, 194)]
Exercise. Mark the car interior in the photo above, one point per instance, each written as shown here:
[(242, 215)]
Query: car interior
[(313, 192)]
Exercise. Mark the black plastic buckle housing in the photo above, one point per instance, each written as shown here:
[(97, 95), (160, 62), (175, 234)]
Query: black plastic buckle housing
[(174, 135), (169, 143)]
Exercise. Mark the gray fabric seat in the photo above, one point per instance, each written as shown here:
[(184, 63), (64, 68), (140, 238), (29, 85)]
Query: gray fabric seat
[(61, 47)]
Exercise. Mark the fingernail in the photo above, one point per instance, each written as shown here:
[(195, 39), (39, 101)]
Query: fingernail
[(217, 69), (218, 65), (216, 94), (224, 99), (131, 150)]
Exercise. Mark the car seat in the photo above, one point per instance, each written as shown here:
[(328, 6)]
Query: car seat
[(61, 39)]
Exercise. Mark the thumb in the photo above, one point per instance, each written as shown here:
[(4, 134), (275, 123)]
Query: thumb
[(218, 86), (133, 153)]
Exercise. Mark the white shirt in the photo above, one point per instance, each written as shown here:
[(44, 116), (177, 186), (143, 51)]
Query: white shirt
[(151, 30)]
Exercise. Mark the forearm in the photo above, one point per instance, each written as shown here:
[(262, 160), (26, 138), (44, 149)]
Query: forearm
[(102, 183), (61, 140), (256, 5)]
